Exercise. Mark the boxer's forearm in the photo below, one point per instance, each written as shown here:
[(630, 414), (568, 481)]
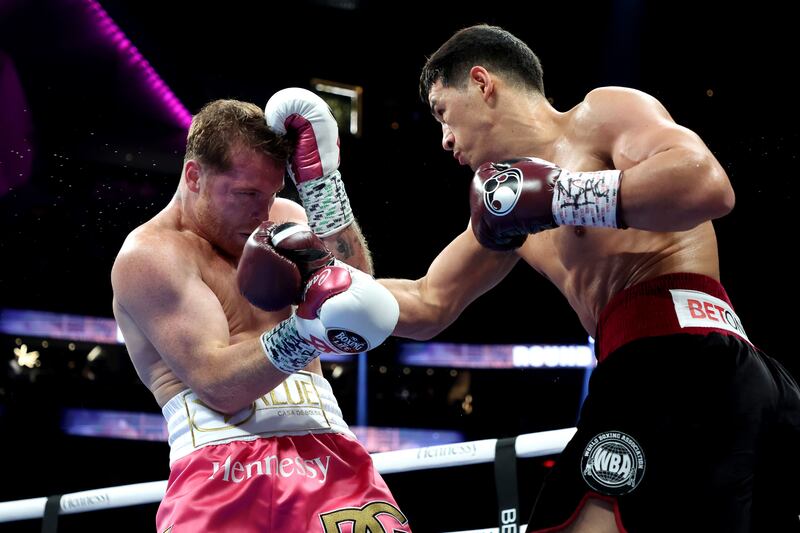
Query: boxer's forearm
[(461, 272), (349, 246), (420, 318), (231, 377)]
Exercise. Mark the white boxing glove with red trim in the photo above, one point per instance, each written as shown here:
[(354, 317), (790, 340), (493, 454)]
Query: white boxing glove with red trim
[(314, 166), (344, 311)]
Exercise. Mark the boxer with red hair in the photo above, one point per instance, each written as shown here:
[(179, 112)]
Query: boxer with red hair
[(203, 294)]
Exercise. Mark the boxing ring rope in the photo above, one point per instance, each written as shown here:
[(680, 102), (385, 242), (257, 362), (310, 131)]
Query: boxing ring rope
[(441, 456)]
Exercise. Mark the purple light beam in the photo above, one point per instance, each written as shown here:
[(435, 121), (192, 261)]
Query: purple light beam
[(178, 113)]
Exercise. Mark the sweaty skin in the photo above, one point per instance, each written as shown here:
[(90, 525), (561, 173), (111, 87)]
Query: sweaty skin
[(218, 275), (590, 265), (176, 299), (672, 187)]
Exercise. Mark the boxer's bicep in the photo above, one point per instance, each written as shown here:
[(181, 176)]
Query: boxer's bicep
[(650, 137), (174, 309), (671, 181), (461, 273)]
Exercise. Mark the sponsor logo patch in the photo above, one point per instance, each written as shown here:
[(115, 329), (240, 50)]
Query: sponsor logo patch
[(697, 309), (347, 341), (613, 463)]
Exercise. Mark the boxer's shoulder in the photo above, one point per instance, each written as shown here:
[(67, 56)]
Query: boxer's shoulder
[(285, 210), (161, 241), (151, 250), (602, 98), (607, 109)]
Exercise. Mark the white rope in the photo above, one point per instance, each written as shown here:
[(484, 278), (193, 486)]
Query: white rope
[(445, 455), (88, 500), (469, 453)]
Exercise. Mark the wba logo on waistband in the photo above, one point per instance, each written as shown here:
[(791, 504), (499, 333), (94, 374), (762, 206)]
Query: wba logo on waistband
[(697, 309)]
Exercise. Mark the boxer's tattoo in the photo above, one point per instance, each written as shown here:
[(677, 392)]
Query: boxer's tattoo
[(350, 246), (344, 249)]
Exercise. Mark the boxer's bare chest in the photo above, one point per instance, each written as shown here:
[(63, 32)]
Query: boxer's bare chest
[(575, 258), (589, 265), (572, 242)]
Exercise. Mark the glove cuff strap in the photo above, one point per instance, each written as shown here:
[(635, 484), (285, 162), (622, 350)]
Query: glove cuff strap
[(286, 349), (326, 203), (587, 199)]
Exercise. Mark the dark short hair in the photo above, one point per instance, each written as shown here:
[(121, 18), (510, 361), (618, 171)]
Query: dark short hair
[(489, 46), (224, 124)]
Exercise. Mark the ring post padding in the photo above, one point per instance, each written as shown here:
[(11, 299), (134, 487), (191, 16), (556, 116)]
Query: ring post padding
[(505, 478), (51, 509)]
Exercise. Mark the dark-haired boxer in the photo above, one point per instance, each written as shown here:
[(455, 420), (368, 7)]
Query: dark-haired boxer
[(687, 425), (257, 439)]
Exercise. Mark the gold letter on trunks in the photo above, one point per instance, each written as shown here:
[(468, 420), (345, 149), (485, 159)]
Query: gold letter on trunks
[(365, 519)]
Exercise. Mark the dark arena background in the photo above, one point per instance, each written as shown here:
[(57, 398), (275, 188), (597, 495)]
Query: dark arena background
[(95, 98)]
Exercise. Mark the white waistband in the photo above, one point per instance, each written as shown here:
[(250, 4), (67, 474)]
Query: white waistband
[(302, 404)]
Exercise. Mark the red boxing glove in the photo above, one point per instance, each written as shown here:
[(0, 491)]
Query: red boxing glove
[(276, 263), (512, 199)]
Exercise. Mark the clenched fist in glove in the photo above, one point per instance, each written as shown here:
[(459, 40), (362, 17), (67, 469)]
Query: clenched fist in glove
[(276, 263), (307, 119), (512, 199), (341, 309)]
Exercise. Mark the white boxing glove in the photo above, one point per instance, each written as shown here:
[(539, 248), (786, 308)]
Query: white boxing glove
[(344, 311), (315, 160)]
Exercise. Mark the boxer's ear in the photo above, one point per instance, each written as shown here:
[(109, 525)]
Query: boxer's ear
[(191, 175)]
